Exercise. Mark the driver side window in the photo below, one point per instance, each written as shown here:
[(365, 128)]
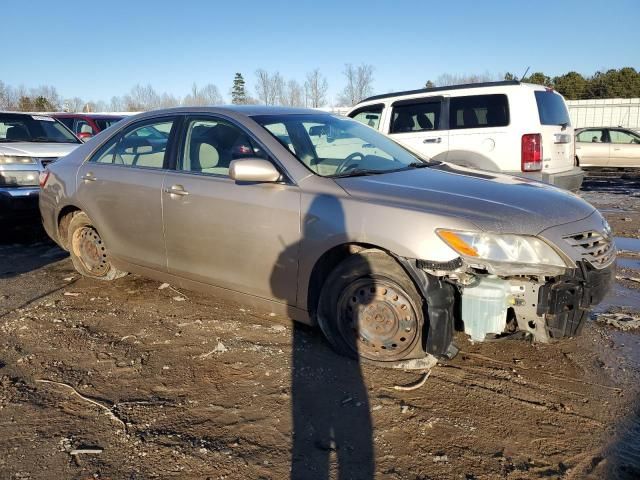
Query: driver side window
[(211, 145), (618, 136)]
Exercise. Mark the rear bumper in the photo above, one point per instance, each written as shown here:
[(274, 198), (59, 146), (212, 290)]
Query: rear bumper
[(569, 179), (19, 203), (566, 302)]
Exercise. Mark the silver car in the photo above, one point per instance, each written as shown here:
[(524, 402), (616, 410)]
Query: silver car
[(607, 147), (327, 221)]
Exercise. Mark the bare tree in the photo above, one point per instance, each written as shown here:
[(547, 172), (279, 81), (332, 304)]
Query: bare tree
[(75, 104), (141, 98), (359, 84), (315, 89), (447, 79), (207, 95), (263, 87), (294, 96), (270, 88), (115, 104)]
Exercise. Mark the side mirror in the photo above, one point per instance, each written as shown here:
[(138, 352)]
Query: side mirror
[(84, 136), (253, 170)]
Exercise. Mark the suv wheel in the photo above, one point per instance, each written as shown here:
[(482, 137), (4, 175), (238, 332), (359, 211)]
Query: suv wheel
[(88, 252), (370, 308)]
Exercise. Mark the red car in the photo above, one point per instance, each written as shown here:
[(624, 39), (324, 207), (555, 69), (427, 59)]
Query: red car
[(86, 125)]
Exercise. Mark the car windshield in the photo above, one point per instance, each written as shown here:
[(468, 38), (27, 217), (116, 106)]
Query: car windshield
[(551, 108), (335, 147), (33, 128), (105, 123)]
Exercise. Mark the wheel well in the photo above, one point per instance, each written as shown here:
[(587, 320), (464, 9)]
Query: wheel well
[(64, 217), (324, 266)]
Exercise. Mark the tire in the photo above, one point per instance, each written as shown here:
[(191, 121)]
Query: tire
[(370, 308), (88, 252)]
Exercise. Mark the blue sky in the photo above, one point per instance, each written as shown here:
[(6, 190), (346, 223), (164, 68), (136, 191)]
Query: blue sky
[(96, 50)]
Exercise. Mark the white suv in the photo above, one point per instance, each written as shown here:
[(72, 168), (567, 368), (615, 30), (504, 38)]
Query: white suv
[(508, 127)]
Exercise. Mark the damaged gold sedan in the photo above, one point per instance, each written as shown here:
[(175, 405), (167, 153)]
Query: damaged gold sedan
[(327, 221)]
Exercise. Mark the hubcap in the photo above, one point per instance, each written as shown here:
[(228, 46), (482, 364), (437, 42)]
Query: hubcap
[(88, 247), (377, 319)]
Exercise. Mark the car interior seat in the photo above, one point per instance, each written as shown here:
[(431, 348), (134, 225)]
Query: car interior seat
[(424, 122), (469, 118), (403, 123)]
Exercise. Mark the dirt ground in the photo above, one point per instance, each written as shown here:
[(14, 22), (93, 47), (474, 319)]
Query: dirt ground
[(124, 380)]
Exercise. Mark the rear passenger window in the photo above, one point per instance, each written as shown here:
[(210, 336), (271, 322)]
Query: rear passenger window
[(415, 117), (479, 111), (143, 146), (211, 145)]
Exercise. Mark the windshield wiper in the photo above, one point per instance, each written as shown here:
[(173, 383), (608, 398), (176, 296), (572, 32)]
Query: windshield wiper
[(356, 172), (420, 165), (11, 140)]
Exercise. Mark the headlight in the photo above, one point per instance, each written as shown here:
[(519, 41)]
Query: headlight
[(19, 178), (507, 249), (11, 159)]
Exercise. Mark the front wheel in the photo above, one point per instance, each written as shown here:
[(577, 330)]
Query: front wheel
[(369, 307), (88, 252)]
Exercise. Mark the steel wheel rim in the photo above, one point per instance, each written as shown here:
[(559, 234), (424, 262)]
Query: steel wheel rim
[(89, 249), (377, 319)]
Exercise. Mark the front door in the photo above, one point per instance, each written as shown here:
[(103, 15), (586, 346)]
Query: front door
[(120, 189), (242, 237), (625, 148)]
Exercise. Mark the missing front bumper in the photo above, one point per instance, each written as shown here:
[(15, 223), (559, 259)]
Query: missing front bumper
[(566, 302)]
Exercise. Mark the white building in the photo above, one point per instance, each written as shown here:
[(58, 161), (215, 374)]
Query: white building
[(605, 112)]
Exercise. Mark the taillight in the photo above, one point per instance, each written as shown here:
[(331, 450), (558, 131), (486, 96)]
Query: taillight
[(531, 152), (43, 177)]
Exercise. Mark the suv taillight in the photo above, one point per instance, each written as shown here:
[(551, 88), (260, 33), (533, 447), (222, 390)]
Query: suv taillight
[(531, 152)]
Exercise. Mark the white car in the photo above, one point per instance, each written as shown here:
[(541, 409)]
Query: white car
[(28, 142), (508, 127), (607, 147)]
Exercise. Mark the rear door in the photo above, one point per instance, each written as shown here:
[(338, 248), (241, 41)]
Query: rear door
[(120, 189), (593, 147), (232, 235), (557, 134), (625, 148), (420, 125), (478, 131)]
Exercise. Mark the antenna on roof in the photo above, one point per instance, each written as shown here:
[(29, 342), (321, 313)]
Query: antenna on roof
[(523, 75)]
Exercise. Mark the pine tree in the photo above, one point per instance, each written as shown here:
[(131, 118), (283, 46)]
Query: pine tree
[(238, 93)]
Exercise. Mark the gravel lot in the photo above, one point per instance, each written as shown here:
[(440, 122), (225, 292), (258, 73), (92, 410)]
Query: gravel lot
[(125, 380)]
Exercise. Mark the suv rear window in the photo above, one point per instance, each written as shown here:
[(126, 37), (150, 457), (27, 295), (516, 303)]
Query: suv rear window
[(479, 111), (551, 108)]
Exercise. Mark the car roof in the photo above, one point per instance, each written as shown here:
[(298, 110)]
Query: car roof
[(85, 115), (24, 114)]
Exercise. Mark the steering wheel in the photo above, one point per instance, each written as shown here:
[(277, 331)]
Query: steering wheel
[(351, 159)]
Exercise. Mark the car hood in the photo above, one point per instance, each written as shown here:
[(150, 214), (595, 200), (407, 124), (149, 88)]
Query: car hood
[(38, 149), (493, 202)]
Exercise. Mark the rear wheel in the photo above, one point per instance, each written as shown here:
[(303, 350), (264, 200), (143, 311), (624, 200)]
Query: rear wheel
[(88, 252), (370, 308)]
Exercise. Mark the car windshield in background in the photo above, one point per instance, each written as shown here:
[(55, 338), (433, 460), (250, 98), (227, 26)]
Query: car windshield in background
[(105, 123), (334, 147), (551, 108), (33, 128)]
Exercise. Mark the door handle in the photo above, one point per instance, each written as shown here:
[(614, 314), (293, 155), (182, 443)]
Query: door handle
[(176, 190), (432, 140), (616, 149), (88, 177)]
